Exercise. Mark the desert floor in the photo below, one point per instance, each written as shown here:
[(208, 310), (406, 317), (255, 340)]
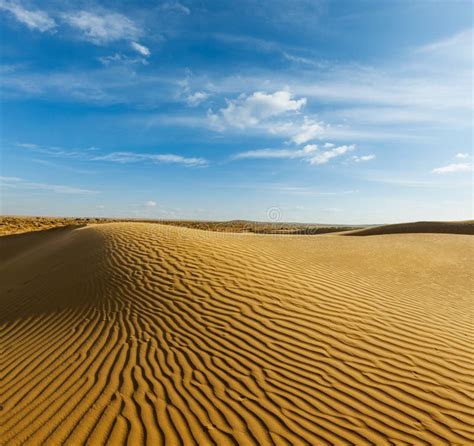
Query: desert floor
[(139, 333)]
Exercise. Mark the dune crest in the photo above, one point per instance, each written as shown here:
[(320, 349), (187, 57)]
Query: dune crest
[(420, 227), (136, 333)]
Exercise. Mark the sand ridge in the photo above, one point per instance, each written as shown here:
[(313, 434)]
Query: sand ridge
[(465, 227), (136, 333)]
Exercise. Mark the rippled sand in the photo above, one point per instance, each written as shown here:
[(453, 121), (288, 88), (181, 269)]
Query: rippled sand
[(136, 333)]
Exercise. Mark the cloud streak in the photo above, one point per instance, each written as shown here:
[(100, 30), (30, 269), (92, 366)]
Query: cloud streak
[(20, 183), (363, 158), (453, 168), (310, 153), (141, 49), (33, 19), (133, 157), (175, 7), (102, 28), (98, 27), (119, 157)]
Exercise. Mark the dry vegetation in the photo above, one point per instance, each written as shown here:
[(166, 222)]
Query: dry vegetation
[(17, 225), (259, 227)]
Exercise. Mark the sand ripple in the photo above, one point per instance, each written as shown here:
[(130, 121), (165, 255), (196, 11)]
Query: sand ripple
[(135, 333)]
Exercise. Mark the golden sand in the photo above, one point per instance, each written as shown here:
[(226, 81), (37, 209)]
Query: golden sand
[(137, 333)]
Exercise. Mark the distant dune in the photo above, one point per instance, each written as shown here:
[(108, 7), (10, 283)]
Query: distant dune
[(426, 227), (138, 333), (20, 225)]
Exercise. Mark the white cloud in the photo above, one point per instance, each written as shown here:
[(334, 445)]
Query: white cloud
[(462, 156), (457, 46), (176, 7), (92, 154), (309, 153), (20, 183), (103, 28), (307, 131), (453, 168), (362, 158), (400, 115), (193, 100), (178, 159), (275, 113), (421, 88), (132, 157), (33, 19), (250, 111), (118, 59), (265, 154), (141, 49), (277, 153), (324, 157), (28, 146), (150, 204)]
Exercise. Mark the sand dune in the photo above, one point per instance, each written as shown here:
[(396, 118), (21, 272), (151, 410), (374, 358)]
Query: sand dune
[(18, 225), (425, 227), (136, 333)]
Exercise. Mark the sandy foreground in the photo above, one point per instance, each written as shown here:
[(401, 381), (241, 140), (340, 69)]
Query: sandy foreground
[(138, 333)]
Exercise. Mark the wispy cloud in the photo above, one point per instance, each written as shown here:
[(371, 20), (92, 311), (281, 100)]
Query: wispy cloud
[(311, 192), (363, 158), (453, 168), (175, 7), (33, 19), (401, 115), (116, 82), (324, 157), (133, 157), (194, 99), (20, 183), (122, 59), (99, 27), (58, 152), (295, 189), (305, 152), (310, 153), (412, 180), (418, 89), (457, 46), (306, 131), (102, 28), (94, 154), (141, 49)]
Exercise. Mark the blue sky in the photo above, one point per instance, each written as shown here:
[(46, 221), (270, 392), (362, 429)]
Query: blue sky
[(327, 111)]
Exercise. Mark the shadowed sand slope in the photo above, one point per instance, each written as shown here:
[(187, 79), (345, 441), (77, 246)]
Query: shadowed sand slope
[(135, 333), (426, 227)]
